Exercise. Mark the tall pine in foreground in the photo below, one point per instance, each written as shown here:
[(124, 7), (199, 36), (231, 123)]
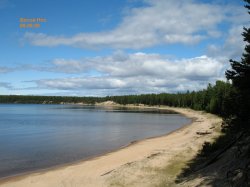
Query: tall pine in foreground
[(239, 74)]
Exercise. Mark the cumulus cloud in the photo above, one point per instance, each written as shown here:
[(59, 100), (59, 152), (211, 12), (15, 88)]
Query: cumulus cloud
[(141, 64), (126, 73), (158, 22), (135, 73)]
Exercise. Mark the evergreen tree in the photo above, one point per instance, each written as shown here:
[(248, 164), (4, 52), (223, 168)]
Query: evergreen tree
[(240, 77)]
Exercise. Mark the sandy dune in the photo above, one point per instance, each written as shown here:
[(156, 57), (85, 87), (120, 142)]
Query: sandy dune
[(150, 162)]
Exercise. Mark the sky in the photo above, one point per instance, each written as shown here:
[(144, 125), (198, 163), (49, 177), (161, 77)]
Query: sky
[(117, 47)]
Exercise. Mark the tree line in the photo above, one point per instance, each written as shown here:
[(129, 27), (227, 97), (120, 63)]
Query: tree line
[(229, 100), (29, 99), (214, 99)]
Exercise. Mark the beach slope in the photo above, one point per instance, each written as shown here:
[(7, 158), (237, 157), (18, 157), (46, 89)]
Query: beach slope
[(151, 162)]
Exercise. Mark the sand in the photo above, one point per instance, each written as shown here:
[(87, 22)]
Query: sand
[(150, 162)]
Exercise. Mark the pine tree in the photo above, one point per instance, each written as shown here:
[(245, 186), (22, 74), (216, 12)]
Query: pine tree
[(240, 77)]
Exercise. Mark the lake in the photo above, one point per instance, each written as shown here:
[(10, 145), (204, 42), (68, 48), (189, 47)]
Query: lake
[(34, 137)]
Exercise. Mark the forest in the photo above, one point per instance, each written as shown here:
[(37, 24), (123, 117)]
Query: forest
[(214, 99), (32, 99), (230, 100)]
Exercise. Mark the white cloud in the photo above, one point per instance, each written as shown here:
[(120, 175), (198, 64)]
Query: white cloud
[(159, 22), (137, 64), (134, 73)]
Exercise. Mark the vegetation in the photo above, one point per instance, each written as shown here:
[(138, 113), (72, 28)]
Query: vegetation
[(233, 148), (47, 99), (215, 99), (229, 100), (239, 74)]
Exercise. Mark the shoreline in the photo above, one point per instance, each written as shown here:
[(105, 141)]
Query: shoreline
[(98, 175), (60, 166)]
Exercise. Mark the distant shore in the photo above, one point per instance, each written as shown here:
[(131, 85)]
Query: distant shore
[(153, 161)]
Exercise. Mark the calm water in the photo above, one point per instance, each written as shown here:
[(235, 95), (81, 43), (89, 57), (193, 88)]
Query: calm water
[(40, 136)]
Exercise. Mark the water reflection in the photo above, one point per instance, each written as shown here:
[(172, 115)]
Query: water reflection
[(40, 136)]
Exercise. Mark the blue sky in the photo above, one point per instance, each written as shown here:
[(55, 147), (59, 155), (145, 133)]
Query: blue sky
[(98, 48)]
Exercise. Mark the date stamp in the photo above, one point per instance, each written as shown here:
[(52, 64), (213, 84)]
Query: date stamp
[(31, 22)]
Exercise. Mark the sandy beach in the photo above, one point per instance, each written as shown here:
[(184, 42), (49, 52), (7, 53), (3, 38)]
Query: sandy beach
[(150, 162)]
